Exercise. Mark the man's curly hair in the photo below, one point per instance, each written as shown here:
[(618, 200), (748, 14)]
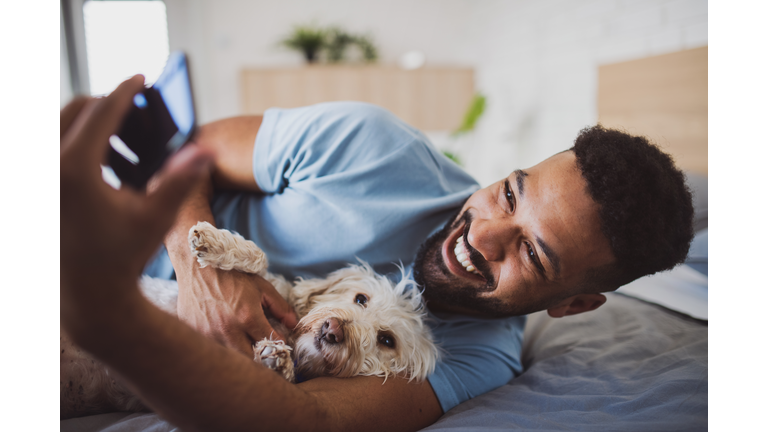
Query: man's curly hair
[(645, 206)]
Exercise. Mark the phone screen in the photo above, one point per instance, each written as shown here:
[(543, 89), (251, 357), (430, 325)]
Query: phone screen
[(160, 122)]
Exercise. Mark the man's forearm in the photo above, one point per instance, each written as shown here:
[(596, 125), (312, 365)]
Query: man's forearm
[(196, 208), (192, 381), (232, 141), (224, 305)]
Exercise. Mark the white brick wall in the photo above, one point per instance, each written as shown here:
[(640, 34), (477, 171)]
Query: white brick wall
[(536, 60)]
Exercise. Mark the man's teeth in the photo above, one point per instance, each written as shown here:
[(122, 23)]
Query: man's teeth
[(462, 256)]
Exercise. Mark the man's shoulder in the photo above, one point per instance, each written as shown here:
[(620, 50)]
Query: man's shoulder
[(349, 109), (353, 139), (347, 119)]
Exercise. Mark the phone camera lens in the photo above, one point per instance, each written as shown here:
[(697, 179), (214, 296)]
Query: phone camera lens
[(139, 100)]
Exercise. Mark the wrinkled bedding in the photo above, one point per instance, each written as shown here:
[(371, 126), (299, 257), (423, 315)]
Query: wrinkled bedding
[(629, 366)]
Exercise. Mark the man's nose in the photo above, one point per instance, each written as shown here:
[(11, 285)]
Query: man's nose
[(491, 236)]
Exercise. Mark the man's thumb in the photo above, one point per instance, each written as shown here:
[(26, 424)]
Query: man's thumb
[(180, 174), (279, 308)]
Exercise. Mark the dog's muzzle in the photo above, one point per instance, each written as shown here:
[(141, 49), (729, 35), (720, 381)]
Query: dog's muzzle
[(332, 331)]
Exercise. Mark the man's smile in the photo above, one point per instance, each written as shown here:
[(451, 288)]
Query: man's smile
[(456, 256), (462, 256)]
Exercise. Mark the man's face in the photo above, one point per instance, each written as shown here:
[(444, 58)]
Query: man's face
[(518, 246)]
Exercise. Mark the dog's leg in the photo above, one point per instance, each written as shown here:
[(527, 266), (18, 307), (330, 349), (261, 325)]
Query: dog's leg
[(226, 250), (230, 251), (86, 386), (275, 355)]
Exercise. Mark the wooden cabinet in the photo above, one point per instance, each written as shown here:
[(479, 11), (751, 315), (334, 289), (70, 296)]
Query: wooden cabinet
[(430, 99)]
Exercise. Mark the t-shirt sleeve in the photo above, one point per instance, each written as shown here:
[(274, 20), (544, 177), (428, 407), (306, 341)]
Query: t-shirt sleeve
[(349, 140), (477, 356), (343, 181)]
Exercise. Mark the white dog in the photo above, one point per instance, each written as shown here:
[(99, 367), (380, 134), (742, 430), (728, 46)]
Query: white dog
[(353, 322)]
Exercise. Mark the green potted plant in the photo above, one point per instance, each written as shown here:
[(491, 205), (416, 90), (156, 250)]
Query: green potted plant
[(311, 40), (337, 41), (307, 39), (336, 44)]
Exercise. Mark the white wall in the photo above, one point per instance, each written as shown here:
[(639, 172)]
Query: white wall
[(536, 61), (223, 36), (538, 65)]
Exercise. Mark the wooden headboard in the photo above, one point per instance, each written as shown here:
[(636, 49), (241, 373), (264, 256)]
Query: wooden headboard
[(663, 98)]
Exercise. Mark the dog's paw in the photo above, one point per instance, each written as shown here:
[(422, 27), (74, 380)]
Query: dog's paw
[(276, 355), (225, 250), (203, 245)]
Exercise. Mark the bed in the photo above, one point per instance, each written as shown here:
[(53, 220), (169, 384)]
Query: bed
[(635, 364), (638, 363), (630, 366)]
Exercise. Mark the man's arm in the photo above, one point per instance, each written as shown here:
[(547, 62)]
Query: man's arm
[(366, 403), (199, 385), (225, 305), (343, 404), (232, 140), (106, 238)]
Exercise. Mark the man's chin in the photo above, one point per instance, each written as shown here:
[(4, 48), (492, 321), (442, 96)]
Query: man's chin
[(447, 292), (464, 301), (444, 289)]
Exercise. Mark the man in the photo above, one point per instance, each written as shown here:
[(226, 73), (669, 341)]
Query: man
[(551, 237)]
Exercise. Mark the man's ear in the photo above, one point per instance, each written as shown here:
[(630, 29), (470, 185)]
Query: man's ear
[(576, 305)]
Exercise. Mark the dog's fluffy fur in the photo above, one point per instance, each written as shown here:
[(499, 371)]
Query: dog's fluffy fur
[(380, 326)]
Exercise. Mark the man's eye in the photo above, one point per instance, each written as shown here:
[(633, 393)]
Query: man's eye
[(509, 196), (531, 253), (361, 299)]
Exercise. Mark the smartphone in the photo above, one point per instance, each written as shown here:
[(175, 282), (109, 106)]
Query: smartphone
[(160, 121)]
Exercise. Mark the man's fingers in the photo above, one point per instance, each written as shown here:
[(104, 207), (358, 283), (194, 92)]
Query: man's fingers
[(69, 113), (180, 174), (277, 306), (259, 328), (238, 341), (104, 119)]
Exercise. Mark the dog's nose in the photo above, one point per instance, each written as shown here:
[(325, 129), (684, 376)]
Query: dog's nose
[(333, 331)]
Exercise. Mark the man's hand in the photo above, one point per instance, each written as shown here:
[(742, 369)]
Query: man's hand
[(227, 306), (108, 235)]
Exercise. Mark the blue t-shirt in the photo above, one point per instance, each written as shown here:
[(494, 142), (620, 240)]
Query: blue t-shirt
[(349, 180)]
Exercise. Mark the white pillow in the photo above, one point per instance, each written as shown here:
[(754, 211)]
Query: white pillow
[(682, 289)]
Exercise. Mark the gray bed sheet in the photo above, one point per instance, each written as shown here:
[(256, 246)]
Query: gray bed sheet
[(629, 366)]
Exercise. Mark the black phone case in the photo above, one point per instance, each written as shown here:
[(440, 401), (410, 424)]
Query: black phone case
[(145, 131)]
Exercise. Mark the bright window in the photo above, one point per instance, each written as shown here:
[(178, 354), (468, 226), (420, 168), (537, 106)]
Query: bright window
[(124, 38)]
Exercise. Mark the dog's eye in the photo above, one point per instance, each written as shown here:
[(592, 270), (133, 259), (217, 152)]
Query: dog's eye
[(361, 299), (386, 339)]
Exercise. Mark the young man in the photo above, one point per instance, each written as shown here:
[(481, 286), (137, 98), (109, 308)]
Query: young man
[(333, 182)]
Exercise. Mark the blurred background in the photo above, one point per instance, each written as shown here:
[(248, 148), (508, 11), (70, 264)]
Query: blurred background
[(496, 85)]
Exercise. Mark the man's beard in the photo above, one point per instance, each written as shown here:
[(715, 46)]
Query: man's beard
[(441, 286)]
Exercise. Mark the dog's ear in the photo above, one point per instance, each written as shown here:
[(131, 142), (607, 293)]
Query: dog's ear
[(419, 360), (304, 294), (424, 360)]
